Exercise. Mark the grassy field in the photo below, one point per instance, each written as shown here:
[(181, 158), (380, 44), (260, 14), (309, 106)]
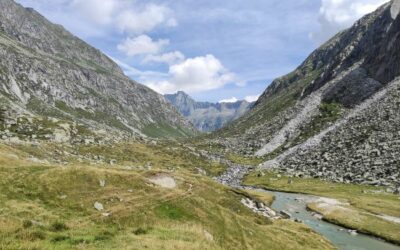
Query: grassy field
[(49, 206), (365, 202), (163, 154)]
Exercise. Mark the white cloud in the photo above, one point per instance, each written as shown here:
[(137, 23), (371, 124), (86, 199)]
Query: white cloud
[(168, 58), (252, 98), (97, 11), (194, 75), (138, 74), (336, 15), (230, 100), (129, 17), (141, 45), (145, 19)]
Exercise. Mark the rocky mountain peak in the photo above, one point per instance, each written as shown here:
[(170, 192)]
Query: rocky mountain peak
[(207, 116), (335, 116)]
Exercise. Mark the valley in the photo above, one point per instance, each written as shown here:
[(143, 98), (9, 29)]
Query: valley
[(91, 159)]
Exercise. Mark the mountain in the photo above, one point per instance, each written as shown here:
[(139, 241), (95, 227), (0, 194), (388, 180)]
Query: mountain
[(337, 115), (46, 72), (207, 116)]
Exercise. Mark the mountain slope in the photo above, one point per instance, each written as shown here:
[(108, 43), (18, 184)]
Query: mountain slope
[(207, 116), (336, 115), (46, 71)]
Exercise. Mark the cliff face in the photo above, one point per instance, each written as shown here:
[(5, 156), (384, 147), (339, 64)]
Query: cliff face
[(46, 71), (336, 116), (207, 116)]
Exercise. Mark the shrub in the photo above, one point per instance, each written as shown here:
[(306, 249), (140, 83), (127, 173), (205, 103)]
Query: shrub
[(140, 231), (27, 223), (58, 226), (59, 238)]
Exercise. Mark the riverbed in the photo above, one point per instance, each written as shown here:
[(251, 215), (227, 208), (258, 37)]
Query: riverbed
[(295, 204)]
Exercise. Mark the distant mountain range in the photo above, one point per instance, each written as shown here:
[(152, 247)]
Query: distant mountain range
[(207, 116)]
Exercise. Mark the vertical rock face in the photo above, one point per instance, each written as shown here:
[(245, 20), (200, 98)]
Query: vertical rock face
[(207, 116), (395, 9), (336, 116), (47, 71)]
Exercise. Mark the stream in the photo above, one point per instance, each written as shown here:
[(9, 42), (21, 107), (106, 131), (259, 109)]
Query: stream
[(295, 204)]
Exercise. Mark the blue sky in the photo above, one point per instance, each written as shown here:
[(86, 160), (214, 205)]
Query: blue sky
[(212, 49)]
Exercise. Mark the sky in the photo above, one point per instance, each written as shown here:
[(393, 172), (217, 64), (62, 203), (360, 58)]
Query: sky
[(215, 50)]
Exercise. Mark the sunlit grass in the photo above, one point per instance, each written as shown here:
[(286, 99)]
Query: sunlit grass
[(51, 207)]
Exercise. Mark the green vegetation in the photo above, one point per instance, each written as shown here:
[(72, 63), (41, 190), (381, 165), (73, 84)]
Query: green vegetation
[(239, 159), (263, 197), (163, 154), (359, 220), (51, 207), (328, 113), (364, 202), (165, 131), (44, 109), (98, 116), (288, 90)]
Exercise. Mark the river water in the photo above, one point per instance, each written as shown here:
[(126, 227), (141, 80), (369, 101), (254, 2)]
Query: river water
[(295, 204)]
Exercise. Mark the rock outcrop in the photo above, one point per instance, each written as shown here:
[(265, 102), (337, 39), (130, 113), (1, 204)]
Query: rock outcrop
[(46, 71), (337, 115)]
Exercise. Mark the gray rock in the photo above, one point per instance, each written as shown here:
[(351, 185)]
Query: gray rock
[(207, 116), (98, 206), (62, 74), (285, 214), (102, 183)]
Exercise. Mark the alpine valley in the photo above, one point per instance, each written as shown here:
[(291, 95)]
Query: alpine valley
[(90, 159)]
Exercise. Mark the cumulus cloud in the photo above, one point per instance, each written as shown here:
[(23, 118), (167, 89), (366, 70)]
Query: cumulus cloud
[(141, 45), (194, 75), (144, 19), (97, 11), (128, 17), (230, 100), (252, 98), (168, 58), (336, 15)]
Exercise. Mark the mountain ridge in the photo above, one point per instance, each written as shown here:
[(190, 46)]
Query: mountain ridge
[(294, 123), (207, 116), (39, 55)]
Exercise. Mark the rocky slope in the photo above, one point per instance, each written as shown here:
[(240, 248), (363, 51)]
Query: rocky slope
[(47, 72), (207, 116), (337, 115)]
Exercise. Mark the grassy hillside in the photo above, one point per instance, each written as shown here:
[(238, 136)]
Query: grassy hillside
[(50, 206)]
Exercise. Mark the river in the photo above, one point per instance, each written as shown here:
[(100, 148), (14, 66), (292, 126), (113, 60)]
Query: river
[(295, 204)]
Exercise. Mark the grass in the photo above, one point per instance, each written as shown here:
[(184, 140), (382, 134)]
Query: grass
[(263, 197), (165, 131), (167, 155), (236, 158), (51, 207), (328, 113), (365, 202), (361, 221), (98, 116)]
